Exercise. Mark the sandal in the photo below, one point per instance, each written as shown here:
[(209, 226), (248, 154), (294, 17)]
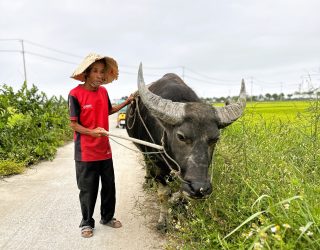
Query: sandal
[(86, 231), (114, 223)]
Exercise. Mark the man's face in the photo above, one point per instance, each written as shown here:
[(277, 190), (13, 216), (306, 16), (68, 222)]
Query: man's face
[(96, 75)]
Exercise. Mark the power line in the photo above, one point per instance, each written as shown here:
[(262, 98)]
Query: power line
[(203, 77), (23, 55), (209, 82), (208, 77), (151, 67), (267, 82), (9, 50), (51, 58), (131, 73), (55, 50), (10, 39)]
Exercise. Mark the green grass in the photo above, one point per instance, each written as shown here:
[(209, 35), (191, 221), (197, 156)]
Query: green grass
[(266, 188), (285, 110), (279, 110), (10, 167)]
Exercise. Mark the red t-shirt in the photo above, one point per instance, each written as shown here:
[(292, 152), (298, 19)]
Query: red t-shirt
[(90, 109)]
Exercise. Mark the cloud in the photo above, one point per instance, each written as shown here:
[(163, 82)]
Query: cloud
[(275, 41)]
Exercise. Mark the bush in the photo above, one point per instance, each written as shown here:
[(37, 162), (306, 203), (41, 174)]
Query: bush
[(9, 167), (32, 126)]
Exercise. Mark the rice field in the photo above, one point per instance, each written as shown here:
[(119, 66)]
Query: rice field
[(266, 184), (284, 111)]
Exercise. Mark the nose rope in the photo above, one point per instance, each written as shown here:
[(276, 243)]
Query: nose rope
[(173, 172), (132, 114), (143, 123), (211, 165)]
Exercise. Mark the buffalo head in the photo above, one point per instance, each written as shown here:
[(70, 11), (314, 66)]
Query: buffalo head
[(191, 131)]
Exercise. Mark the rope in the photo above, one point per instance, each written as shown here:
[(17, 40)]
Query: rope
[(173, 172), (145, 126), (211, 165), (134, 150), (132, 115)]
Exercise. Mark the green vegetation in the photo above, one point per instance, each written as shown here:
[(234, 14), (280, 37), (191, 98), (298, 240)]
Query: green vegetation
[(284, 111), (32, 127), (266, 184), (265, 173)]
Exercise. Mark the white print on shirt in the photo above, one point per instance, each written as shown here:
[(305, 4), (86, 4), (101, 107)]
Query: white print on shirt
[(87, 106)]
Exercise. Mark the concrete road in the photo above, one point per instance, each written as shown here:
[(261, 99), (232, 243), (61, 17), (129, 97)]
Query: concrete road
[(39, 209)]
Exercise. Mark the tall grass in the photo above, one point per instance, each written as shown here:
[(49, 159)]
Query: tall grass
[(266, 187)]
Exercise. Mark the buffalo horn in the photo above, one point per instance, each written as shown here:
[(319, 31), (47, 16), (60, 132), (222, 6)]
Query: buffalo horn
[(228, 114), (165, 110)]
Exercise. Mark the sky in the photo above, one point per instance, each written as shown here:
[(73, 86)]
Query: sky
[(274, 45)]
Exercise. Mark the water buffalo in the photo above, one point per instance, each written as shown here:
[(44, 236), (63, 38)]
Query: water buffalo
[(169, 113)]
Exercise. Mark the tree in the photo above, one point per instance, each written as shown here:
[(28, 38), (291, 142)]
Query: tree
[(268, 96), (275, 96)]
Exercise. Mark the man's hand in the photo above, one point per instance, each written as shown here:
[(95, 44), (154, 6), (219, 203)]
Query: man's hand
[(98, 132), (130, 99)]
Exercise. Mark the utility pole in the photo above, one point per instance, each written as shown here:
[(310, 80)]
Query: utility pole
[(24, 61), (182, 72), (300, 87), (251, 86)]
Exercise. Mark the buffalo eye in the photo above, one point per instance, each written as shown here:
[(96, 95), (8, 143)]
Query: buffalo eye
[(182, 138)]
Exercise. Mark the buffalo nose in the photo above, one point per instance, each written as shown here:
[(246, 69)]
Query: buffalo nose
[(201, 189)]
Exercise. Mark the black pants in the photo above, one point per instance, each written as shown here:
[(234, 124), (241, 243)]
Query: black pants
[(88, 175)]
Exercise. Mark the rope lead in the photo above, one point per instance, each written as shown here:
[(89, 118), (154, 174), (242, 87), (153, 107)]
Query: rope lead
[(164, 153)]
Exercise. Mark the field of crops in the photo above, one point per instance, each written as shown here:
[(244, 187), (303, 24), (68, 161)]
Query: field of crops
[(266, 184), (273, 111)]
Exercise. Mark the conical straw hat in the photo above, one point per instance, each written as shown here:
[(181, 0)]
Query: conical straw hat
[(111, 73)]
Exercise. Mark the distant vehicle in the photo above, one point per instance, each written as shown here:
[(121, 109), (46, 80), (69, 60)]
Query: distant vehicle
[(121, 118)]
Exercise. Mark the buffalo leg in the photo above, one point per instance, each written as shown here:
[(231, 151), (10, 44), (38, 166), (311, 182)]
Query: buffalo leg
[(163, 196)]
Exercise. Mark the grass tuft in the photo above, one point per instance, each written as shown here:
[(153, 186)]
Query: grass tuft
[(9, 167)]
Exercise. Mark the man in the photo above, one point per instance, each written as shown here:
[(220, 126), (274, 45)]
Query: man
[(89, 107)]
